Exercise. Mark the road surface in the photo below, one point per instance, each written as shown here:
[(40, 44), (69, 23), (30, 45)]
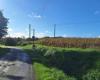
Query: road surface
[(16, 65)]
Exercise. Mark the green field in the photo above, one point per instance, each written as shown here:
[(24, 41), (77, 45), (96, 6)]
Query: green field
[(52, 63)]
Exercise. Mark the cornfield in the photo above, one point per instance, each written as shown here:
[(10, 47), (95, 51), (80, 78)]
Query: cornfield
[(71, 42)]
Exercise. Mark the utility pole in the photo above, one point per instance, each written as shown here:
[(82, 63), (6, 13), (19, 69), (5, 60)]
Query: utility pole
[(33, 37), (29, 30), (34, 32), (54, 30)]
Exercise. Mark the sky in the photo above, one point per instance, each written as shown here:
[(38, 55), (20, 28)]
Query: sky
[(73, 18)]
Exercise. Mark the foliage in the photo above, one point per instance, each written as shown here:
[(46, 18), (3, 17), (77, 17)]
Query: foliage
[(3, 25), (92, 75), (10, 42), (13, 42), (73, 62), (71, 42), (45, 73), (24, 43)]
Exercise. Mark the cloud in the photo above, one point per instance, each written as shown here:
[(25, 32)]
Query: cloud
[(64, 35), (10, 29), (21, 34), (47, 32), (97, 12), (98, 37), (17, 34), (13, 33), (40, 35), (35, 15)]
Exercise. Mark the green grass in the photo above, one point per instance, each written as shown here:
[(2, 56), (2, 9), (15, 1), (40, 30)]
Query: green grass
[(26, 47), (45, 73), (66, 63), (59, 48)]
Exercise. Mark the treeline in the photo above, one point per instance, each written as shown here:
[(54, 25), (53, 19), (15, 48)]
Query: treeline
[(9, 41), (71, 42)]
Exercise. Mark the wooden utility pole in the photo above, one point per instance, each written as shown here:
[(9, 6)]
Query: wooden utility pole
[(34, 32), (33, 37), (29, 30), (54, 30)]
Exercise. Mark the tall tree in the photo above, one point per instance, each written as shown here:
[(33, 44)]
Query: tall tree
[(3, 25)]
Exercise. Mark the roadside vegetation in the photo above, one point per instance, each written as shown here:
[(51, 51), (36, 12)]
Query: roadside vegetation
[(56, 59), (45, 73), (55, 63)]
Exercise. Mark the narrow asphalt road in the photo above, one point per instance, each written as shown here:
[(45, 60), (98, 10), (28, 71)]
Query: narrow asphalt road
[(16, 65)]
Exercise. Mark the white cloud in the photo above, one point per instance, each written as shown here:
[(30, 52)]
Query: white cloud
[(10, 29), (21, 34), (64, 35), (47, 32), (35, 15), (17, 34), (98, 37), (67, 35), (40, 35), (97, 12), (13, 33)]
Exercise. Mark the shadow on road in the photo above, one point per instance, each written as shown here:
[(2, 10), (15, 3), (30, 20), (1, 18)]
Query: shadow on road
[(15, 63), (10, 77), (17, 55)]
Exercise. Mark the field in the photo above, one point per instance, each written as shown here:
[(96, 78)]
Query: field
[(71, 42), (54, 63)]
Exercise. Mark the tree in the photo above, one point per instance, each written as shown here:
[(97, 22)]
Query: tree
[(3, 25)]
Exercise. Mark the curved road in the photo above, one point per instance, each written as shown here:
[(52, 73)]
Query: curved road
[(16, 65)]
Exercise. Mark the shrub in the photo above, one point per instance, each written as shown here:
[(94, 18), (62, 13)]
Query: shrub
[(45, 73), (10, 42), (92, 75), (73, 62)]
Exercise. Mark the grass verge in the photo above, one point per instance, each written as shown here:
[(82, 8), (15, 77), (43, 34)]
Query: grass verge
[(45, 73), (53, 63)]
